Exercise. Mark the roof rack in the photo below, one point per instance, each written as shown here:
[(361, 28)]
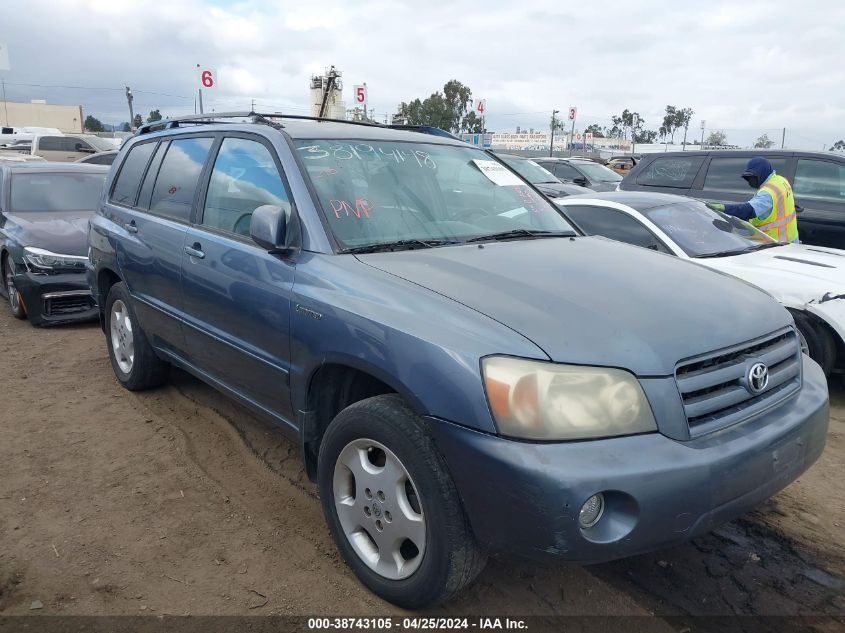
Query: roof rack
[(257, 117)]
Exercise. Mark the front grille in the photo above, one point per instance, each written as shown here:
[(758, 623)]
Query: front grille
[(713, 387), (69, 304)]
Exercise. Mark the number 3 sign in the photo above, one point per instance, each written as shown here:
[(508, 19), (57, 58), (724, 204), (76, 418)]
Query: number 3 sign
[(208, 78)]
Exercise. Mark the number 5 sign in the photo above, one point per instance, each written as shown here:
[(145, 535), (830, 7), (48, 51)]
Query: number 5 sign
[(360, 95), (208, 78)]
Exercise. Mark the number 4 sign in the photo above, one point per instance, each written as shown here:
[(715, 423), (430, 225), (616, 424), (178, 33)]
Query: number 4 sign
[(360, 95), (481, 108), (208, 78)]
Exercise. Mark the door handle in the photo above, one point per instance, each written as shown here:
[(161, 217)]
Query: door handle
[(130, 227), (194, 251)]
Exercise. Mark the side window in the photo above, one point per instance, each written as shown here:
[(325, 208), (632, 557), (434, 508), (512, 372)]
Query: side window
[(176, 183), (671, 171), (150, 178), (51, 144), (615, 225), (820, 180), (244, 177), (725, 174), (69, 143), (126, 185), (566, 172)]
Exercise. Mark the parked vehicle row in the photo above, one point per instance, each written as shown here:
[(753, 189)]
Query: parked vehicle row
[(582, 171), (818, 182), (464, 370)]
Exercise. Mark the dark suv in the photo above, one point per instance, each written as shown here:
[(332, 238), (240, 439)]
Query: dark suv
[(818, 181), (463, 370)]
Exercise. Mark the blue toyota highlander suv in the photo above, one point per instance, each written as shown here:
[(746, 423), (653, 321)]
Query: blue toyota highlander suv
[(464, 371)]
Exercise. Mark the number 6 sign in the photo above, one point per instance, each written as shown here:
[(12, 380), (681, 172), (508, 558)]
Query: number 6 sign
[(208, 78)]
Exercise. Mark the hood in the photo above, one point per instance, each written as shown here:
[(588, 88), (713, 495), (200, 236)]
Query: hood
[(62, 232), (794, 274), (592, 301), (560, 189), (760, 167)]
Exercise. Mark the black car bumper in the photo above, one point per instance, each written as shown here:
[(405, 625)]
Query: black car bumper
[(56, 299)]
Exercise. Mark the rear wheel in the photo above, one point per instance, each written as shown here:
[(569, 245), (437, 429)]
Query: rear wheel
[(14, 296), (392, 506), (133, 359)]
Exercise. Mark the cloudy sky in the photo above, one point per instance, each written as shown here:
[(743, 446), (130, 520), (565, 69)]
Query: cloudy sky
[(745, 67)]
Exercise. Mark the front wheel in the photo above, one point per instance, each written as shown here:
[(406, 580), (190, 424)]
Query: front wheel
[(816, 342), (392, 506), (12, 292)]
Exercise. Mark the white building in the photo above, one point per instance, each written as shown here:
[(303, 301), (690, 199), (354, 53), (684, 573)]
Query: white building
[(67, 119)]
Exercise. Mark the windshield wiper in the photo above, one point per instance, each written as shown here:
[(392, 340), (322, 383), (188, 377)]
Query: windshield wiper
[(398, 245), (516, 233), (750, 249)]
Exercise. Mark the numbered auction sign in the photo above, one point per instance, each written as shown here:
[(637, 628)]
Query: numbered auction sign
[(208, 78), (360, 94)]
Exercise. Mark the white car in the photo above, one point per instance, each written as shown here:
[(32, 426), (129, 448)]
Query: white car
[(808, 280)]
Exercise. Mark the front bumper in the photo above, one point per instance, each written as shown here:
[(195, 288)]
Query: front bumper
[(56, 299), (525, 497)]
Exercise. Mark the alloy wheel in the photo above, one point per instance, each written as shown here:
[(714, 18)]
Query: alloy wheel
[(379, 509), (122, 338)]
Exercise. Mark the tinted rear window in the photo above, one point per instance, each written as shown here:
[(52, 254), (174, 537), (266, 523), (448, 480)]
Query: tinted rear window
[(56, 192), (126, 187), (670, 171), (176, 183), (725, 173)]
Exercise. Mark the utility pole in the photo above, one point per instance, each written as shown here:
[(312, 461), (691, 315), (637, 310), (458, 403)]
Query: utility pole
[(783, 138), (703, 122), (252, 107), (635, 120), (199, 93), (554, 125), (129, 99)]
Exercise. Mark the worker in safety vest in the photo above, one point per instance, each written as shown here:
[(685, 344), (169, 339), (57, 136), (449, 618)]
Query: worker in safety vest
[(772, 209)]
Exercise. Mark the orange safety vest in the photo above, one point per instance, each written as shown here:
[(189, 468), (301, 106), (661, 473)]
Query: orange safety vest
[(781, 223)]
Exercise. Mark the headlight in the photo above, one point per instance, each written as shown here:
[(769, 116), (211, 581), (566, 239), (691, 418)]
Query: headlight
[(42, 260), (546, 401)]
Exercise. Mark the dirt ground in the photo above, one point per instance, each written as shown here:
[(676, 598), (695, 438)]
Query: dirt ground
[(177, 501)]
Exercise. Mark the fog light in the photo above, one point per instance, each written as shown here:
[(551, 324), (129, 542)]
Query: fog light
[(591, 511)]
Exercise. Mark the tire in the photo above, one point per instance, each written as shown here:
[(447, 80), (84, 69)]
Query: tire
[(133, 360), (14, 297), (820, 345), (381, 436)]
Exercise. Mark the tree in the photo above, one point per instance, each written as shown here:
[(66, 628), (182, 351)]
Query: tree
[(137, 121), (838, 146), (126, 127), (596, 130), (682, 119), (764, 142), (670, 123), (93, 124), (155, 115), (448, 110), (645, 136), (717, 137)]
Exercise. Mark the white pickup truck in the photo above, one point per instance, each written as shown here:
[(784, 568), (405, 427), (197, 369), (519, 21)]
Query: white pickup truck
[(62, 148)]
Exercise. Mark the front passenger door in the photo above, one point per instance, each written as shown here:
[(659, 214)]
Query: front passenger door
[(237, 296)]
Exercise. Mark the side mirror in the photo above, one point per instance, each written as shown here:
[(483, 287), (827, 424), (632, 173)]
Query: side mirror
[(272, 229), (82, 148), (580, 181)]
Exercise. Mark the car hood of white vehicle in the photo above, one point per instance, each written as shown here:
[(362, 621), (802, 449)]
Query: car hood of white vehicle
[(795, 274)]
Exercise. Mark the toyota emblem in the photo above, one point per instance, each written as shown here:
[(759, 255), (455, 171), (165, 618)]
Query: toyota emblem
[(758, 377)]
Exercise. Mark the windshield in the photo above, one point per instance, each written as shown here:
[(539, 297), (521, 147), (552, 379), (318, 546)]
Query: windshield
[(701, 232), (531, 171), (382, 192), (598, 172), (56, 192), (100, 144)]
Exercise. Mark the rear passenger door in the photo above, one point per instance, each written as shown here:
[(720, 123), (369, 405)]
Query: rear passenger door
[(152, 221), (237, 297), (669, 174), (819, 187)]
